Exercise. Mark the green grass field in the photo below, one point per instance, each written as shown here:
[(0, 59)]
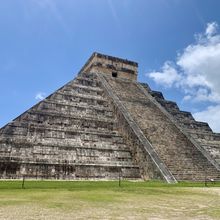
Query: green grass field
[(106, 200)]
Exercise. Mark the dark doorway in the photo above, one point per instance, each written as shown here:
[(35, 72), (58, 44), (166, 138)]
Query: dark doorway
[(114, 74)]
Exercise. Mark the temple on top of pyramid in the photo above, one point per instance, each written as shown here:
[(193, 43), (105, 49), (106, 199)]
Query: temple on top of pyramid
[(104, 124), (113, 66)]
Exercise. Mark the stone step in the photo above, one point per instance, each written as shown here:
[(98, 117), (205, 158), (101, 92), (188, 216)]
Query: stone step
[(82, 107), (102, 146), (209, 136), (76, 111), (75, 85), (183, 116), (76, 152), (69, 114), (79, 145), (60, 119), (170, 106), (186, 165), (209, 143), (70, 171), (52, 159), (23, 160), (34, 130), (196, 125), (10, 149), (157, 94), (77, 97), (78, 90), (77, 134), (87, 81), (82, 101)]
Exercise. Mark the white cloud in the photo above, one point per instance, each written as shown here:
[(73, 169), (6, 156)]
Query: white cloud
[(210, 115), (167, 77), (40, 96), (211, 29), (187, 97), (196, 71)]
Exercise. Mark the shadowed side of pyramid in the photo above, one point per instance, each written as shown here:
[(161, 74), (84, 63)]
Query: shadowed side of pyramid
[(200, 132)]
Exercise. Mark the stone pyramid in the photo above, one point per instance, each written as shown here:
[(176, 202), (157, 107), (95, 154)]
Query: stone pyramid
[(104, 124)]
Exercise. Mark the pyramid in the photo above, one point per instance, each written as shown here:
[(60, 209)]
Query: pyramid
[(104, 124)]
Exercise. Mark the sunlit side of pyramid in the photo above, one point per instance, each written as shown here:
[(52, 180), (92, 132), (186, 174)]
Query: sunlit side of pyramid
[(104, 124)]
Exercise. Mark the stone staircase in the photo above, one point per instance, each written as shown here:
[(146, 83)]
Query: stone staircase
[(184, 160), (69, 135)]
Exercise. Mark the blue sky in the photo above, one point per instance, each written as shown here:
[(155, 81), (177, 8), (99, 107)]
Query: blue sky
[(44, 43)]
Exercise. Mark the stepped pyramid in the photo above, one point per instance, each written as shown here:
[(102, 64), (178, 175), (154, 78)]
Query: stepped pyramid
[(104, 124)]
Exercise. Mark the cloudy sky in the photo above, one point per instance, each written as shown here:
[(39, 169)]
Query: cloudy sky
[(44, 43)]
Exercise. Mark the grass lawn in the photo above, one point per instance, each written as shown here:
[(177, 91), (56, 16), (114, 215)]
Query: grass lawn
[(106, 200)]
